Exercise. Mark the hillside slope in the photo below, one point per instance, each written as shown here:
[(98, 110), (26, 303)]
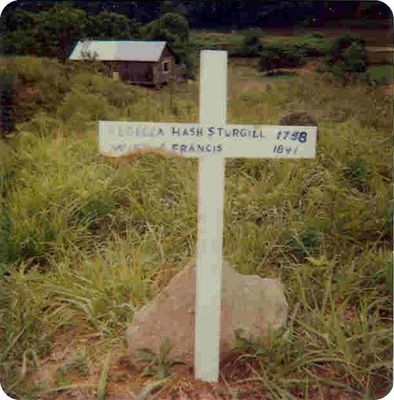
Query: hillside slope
[(86, 241)]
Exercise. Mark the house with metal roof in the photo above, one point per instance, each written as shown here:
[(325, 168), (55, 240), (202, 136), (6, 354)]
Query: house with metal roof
[(138, 62)]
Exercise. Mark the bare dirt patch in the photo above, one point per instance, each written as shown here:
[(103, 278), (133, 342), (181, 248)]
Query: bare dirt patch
[(124, 382), (388, 90)]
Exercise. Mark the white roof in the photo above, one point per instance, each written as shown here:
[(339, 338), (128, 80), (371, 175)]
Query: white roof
[(121, 50)]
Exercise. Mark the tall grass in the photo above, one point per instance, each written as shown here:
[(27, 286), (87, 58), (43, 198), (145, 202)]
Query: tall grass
[(87, 241)]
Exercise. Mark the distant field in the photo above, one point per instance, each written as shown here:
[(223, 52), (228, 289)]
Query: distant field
[(373, 37), (232, 39)]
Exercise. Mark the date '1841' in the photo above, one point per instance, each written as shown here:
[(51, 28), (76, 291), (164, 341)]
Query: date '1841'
[(301, 137)]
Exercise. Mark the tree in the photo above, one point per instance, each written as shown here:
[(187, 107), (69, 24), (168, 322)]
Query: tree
[(58, 29), (16, 20), (112, 26), (170, 26), (174, 29), (50, 33), (17, 31)]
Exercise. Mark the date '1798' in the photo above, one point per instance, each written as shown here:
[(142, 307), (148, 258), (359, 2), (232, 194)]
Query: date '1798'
[(300, 136)]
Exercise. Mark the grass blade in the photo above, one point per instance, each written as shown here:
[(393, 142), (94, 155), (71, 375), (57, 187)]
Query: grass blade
[(103, 380)]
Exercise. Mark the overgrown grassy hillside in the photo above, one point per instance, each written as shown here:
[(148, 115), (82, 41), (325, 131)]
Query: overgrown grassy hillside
[(86, 241)]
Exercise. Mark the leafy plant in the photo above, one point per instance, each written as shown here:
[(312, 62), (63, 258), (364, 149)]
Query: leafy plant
[(158, 365), (277, 349), (36, 242), (303, 244), (77, 364), (251, 346), (357, 172), (95, 212)]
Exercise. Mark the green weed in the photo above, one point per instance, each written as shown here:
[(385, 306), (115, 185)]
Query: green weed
[(77, 364), (95, 212), (103, 380), (159, 365), (304, 244), (357, 172)]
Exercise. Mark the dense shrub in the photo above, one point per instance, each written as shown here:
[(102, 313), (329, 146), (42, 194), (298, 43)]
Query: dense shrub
[(317, 35), (42, 123), (270, 59), (39, 85), (347, 58), (80, 107), (36, 91), (292, 57), (7, 246), (7, 101), (116, 93), (313, 45), (280, 56), (251, 45)]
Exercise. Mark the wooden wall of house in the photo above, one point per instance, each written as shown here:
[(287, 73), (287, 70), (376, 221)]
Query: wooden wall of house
[(152, 73), (161, 76), (138, 72)]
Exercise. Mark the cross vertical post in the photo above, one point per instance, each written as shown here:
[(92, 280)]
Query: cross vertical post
[(213, 111)]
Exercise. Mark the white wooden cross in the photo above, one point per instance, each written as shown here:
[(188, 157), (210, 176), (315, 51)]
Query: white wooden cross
[(212, 141)]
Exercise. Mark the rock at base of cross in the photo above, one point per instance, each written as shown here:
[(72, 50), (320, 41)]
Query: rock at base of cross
[(250, 303), (298, 118)]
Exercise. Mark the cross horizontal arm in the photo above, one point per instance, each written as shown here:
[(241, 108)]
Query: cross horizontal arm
[(195, 140)]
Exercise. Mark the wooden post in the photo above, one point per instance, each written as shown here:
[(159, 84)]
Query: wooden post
[(213, 110)]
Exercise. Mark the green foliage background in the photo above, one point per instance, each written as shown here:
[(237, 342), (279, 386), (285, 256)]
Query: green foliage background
[(85, 241)]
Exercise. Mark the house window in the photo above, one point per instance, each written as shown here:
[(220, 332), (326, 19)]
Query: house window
[(165, 66)]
